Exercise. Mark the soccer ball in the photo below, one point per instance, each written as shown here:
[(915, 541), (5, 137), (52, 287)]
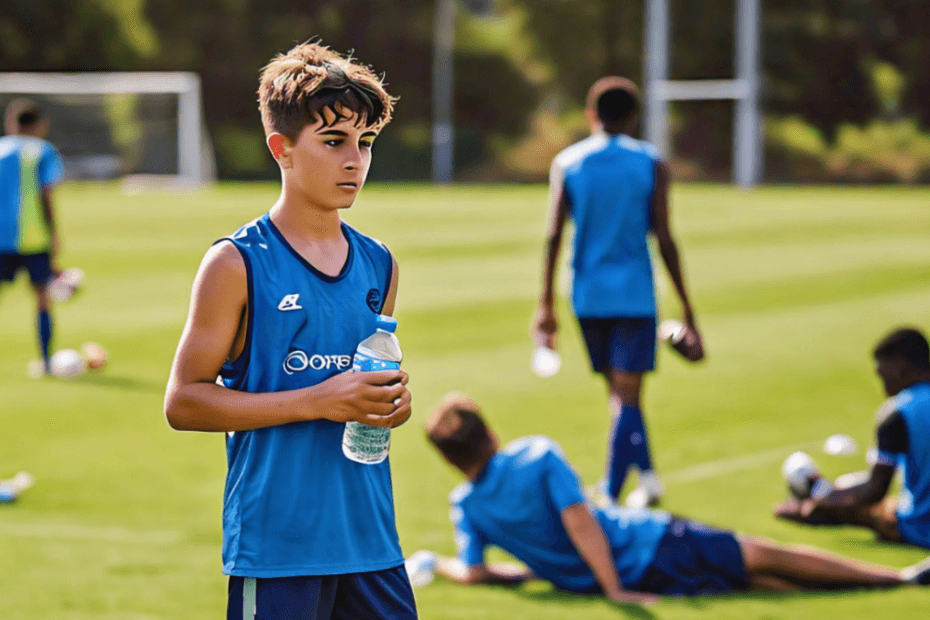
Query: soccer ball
[(95, 355), (803, 477), (65, 284), (68, 364), (421, 568)]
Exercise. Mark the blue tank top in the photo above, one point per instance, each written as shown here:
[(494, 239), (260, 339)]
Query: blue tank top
[(914, 502), (610, 182), (293, 504), (27, 166)]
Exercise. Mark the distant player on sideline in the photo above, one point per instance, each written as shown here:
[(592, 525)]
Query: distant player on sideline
[(277, 311), (30, 167), (615, 189), (527, 500), (903, 363)]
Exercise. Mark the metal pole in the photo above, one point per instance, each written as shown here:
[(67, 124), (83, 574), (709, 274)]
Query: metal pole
[(747, 130), (189, 131), (443, 131), (656, 71)]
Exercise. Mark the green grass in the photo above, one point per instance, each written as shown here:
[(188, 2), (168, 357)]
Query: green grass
[(792, 287)]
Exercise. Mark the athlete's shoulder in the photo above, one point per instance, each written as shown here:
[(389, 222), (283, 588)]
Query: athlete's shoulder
[(577, 152), (533, 448), (254, 233), (638, 146), (366, 241)]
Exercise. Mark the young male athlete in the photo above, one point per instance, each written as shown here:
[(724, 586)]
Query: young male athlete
[(30, 167), (527, 500), (903, 364), (615, 190), (277, 311)]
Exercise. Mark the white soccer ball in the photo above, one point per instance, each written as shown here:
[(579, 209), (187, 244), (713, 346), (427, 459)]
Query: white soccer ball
[(68, 364), (421, 568), (800, 472)]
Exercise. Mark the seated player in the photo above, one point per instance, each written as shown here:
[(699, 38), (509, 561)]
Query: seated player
[(903, 428), (527, 500)]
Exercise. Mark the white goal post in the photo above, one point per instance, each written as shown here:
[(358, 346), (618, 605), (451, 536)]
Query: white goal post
[(192, 169)]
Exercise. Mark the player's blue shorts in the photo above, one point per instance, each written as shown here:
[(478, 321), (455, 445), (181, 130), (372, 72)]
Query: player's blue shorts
[(39, 267), (625, 343), (692, 559), (384, 594)]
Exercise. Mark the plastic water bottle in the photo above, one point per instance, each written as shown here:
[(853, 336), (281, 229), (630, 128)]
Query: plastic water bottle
[(364, 443)]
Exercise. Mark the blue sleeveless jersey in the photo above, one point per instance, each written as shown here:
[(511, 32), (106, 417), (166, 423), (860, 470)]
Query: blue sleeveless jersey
[(294, 505), (610, 182), (27, 166), (914, 502)]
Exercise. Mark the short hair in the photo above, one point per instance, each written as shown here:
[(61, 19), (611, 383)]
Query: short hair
[(23, 113), (613, 98), (908, 343), (297, 86), (458, 431)]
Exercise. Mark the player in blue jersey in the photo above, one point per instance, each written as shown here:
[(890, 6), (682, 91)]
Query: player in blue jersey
[(277, 311), (615, 190), (30, 167), (903, 439), (527, 500)]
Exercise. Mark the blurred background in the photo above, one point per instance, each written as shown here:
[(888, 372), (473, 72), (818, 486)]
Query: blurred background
[(843, 83)]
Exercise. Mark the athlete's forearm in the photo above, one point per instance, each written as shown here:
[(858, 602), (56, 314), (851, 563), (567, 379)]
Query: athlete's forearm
[(589, 539), (48, 211), (211, 407), (553, 247), (668, 249)]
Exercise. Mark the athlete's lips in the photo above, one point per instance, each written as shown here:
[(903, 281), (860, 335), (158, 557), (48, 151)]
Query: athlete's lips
[(348, 185)]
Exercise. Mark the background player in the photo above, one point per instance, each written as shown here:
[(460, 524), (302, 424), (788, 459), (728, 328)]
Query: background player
[(615, 189), (30, 167), (527, 500), (903, 428), (277, 312)]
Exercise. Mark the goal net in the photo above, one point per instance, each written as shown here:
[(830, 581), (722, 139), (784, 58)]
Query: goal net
[(145, 128)]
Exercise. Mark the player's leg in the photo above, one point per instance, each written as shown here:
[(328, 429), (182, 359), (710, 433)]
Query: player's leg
[(377, 595), (40, 272), (307, 598), (879, 517), (811, 568), (632, 350), (628, 445)]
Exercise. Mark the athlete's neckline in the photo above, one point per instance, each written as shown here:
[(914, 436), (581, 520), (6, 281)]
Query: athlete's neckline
[(350, 256)]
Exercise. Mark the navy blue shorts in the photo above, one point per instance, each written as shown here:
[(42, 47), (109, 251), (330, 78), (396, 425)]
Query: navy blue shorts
[(626, 343), (694, 558), (372, 596), (39, 267)]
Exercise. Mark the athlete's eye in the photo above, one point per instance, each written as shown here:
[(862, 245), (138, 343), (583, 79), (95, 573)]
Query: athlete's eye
[(367, 143), (333, 142)]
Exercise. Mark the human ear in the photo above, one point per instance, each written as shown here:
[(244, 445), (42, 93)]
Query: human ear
[(280, 148)]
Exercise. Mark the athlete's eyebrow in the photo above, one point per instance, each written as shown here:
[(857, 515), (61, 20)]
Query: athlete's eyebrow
[(369, 134), (333, 132)]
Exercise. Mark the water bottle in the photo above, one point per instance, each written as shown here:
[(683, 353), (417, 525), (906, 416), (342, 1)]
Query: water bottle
[(364, 443)]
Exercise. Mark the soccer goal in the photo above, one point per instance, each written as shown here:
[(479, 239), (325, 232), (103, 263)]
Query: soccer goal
[(146, 128)]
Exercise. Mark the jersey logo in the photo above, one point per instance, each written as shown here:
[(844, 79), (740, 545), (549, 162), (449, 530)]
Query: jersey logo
[(298, 361), (374, 299), (290, 303)]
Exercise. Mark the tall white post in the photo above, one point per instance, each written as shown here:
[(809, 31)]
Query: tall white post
[(443, 130), (747, 130), (189, 131), (656, 73)]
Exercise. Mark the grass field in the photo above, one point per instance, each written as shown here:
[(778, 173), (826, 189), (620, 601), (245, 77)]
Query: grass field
[(792, 287)]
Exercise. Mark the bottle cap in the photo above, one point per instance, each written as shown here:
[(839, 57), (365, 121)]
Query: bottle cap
[(386, 323)]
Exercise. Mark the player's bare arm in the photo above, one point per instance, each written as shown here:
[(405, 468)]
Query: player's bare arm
[(589, 539), (545, 324), (216, 320), (403, 412), (668, 247), (497, 573), (48, 212)]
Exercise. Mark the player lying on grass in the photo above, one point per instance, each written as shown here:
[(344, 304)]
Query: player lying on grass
[(527, 500), (903, 428)]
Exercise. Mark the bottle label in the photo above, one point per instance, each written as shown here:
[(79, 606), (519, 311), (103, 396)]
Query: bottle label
[(366, 363)]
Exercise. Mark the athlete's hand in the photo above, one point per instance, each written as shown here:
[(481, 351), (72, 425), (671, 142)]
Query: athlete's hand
[(625, 597), (379, 398), (545, 326)]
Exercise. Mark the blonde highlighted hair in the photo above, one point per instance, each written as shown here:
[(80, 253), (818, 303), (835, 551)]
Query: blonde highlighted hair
[(297, 86)]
